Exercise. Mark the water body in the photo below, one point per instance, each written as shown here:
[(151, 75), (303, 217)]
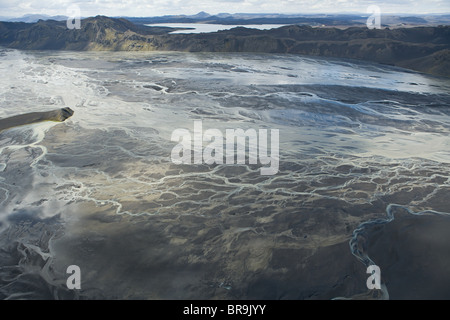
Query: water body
[(207, 27), (357, 140)]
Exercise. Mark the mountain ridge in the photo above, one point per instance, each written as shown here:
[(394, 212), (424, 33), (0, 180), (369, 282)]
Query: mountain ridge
[(424, 49), (312, 19)]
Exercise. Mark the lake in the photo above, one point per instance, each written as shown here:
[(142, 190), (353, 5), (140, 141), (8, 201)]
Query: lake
[(205, 28)]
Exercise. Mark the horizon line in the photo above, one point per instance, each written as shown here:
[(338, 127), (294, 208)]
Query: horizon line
[(236, 13)]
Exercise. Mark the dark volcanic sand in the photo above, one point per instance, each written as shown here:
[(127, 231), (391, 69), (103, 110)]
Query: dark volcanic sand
[(100, 191), (412, 252)]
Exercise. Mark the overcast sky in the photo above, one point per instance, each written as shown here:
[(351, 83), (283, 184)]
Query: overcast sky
[(147, 8)]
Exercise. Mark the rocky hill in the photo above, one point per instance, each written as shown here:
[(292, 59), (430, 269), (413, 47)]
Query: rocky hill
[(425, 49)]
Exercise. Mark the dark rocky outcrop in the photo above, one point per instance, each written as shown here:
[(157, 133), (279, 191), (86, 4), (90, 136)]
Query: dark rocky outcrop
[(424, 49)]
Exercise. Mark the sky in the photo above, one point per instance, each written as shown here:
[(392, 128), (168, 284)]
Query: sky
[(149, 8)]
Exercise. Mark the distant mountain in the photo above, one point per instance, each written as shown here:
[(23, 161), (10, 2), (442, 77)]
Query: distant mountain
[(201, 15), (31, 18), (344, 19), (425, 49), (252, 18)]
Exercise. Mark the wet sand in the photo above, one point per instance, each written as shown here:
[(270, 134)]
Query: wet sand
[(299, 252), (239, 251), (190, 257), (100, 191), (412, 252)]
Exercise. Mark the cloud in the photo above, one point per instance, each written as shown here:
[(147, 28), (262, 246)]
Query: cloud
[(162, 7)]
